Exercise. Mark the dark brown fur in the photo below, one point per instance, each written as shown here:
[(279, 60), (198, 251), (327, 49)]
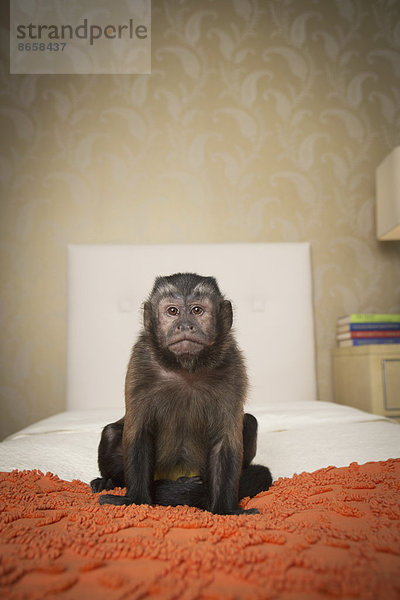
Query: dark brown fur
[(184, 393)]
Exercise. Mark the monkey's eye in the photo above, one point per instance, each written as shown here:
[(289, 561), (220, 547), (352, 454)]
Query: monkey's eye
[(197, 310), (173, 311)]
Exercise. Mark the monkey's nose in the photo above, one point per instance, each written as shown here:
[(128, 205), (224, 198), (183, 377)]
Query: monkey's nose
[(184, 327)]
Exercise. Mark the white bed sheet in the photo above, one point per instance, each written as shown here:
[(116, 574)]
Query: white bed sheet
[(293, 437)]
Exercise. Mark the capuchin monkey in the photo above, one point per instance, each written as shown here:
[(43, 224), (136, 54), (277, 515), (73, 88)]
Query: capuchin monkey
[(184, 438)]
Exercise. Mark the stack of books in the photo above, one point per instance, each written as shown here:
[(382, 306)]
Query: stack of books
[(365, 329)]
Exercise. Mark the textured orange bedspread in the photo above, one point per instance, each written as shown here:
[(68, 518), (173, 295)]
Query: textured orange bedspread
[(334, 533)]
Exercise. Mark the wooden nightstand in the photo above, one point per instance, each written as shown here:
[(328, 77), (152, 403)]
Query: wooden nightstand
[(368, 377)]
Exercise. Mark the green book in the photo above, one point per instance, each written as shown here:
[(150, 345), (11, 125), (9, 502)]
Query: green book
[(369, 318)]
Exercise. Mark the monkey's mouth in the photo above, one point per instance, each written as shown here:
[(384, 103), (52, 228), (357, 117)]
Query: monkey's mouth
[(185, 345)]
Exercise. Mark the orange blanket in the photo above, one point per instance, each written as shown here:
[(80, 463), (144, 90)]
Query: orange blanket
[(334, 533)]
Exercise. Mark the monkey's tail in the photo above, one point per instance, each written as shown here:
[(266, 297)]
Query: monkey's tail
[(185, 490), (192, 491)]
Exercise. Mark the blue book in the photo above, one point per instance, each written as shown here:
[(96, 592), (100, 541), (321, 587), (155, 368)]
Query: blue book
[(387, 326), (368, 341)]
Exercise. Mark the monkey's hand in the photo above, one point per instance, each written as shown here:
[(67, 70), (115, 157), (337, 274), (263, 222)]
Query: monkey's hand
[(245, 511)]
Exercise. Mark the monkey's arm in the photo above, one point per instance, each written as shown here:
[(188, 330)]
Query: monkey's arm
[(139, 468), (139, 471), (224, 469), (138, 446)]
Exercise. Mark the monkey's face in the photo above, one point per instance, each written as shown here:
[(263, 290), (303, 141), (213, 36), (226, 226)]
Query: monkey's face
[(186, 325), (187, 320)]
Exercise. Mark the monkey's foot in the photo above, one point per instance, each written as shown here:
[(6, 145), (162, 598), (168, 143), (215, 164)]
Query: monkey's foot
[(116, 500), (101, 483)]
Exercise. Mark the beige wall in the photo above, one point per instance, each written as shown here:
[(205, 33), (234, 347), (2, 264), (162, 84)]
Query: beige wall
[(261, 121)]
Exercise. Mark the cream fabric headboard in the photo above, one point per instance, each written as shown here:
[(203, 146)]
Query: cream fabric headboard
[(269, 286)]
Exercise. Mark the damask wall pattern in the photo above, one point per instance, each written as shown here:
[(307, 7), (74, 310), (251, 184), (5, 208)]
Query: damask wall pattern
[(262, 120)]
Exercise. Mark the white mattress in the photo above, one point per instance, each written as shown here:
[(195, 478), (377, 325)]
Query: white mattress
[(270, 285), (293, 437)]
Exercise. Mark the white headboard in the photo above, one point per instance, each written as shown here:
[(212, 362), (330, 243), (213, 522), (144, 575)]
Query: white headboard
[(269, 286)]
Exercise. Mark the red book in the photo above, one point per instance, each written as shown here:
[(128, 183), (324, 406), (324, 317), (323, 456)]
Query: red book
[(348, 335)]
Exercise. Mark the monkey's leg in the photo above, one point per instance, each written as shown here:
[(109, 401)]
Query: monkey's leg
[(110, 458), (250, 427), (253, 480)]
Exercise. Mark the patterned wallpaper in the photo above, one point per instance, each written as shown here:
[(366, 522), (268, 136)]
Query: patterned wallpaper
[(262, 120)]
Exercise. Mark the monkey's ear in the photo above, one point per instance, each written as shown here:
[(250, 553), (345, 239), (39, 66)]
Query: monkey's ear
[(147, 314), (226, 314)]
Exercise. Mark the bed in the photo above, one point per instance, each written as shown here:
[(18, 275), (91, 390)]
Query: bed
[(328, 527)]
